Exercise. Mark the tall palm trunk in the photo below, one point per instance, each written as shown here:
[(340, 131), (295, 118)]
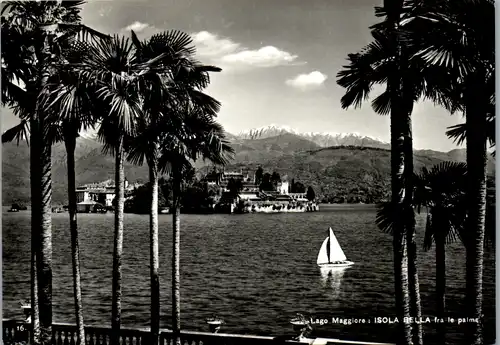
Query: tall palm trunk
[(44, 197), (44, 259), (118, 243), (153, 247), (70, 143), (476, 101), (35, 227), (440, 239), (409, 218), (394, 85), (176, 273), (397, 191)]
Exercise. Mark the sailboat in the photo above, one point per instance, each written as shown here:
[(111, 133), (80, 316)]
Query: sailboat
[(331, 254)]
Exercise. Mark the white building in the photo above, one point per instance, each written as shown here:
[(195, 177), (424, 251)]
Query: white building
[(103, 192), (283, 187)]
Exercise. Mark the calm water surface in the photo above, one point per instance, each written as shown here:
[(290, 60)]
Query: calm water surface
[(255, 270)]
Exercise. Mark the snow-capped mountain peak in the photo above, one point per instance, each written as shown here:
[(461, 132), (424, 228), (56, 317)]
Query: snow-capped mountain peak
[(266, 132), (324, 139)]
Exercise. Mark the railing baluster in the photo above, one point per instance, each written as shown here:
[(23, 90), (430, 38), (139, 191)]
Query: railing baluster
[(73, 336), (91, 337), (66, 340), (59, 338), (53, 340), (105, 339)]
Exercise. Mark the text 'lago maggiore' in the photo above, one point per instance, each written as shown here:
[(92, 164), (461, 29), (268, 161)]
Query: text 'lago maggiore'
[(390, 320)]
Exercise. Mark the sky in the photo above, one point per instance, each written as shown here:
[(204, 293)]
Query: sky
[(279, 60)]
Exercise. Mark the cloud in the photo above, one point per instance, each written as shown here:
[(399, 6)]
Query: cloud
[(210, 45), (307, 81), (230, 54), (264, 57), (137, 27), (142, 30)]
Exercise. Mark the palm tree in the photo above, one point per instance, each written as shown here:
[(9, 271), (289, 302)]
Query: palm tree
[(459, 37), (387, 61), (70, 102), (40, 30), (176, 81), (110, 65), (441, 190), (18, 69), (199, 137)]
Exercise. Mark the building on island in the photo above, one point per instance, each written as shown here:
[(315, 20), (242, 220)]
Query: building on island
[(102, 192), (250, 194)]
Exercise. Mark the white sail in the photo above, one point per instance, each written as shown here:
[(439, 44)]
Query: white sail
[(336, 252), (323, 253)]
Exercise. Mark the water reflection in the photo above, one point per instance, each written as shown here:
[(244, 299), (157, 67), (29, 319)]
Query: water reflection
[(331, 279)]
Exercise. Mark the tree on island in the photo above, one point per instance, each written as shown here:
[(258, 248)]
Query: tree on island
[(298, 187), (234, 186), (275, 179), (258, 175), (140, 202), (266, 184), (310, 194), (196, 198)]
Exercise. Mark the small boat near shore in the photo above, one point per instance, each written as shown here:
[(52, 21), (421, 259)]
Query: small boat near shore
[(331, 254)]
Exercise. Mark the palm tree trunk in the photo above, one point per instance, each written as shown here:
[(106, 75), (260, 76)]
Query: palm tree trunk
[(476, 201), (409, 218), (394, 85), (153, 247), (70, 143), (399, 245), (176, 273), (44, 261), (44, 197), (118, 243), (35, 228), (440, 284)]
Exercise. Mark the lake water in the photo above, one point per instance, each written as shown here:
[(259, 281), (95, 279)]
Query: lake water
[(254, 270)]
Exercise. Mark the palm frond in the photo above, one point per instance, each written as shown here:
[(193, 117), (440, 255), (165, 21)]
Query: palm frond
[(382, 103), (385, 217), (18, 132), (457, 133)]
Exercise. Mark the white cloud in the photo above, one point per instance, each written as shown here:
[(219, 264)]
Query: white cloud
[(142, 30), (210, 45), (230, 54), (137, 27), (306, 81), (264, 57)]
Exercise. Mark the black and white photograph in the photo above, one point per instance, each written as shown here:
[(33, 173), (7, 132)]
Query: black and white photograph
[(235, 172)]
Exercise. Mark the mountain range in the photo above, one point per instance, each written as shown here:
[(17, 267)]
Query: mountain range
[(325, 139), (340, 167)]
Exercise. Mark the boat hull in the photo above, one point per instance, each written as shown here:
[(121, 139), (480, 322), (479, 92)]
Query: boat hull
[(333, 265)]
